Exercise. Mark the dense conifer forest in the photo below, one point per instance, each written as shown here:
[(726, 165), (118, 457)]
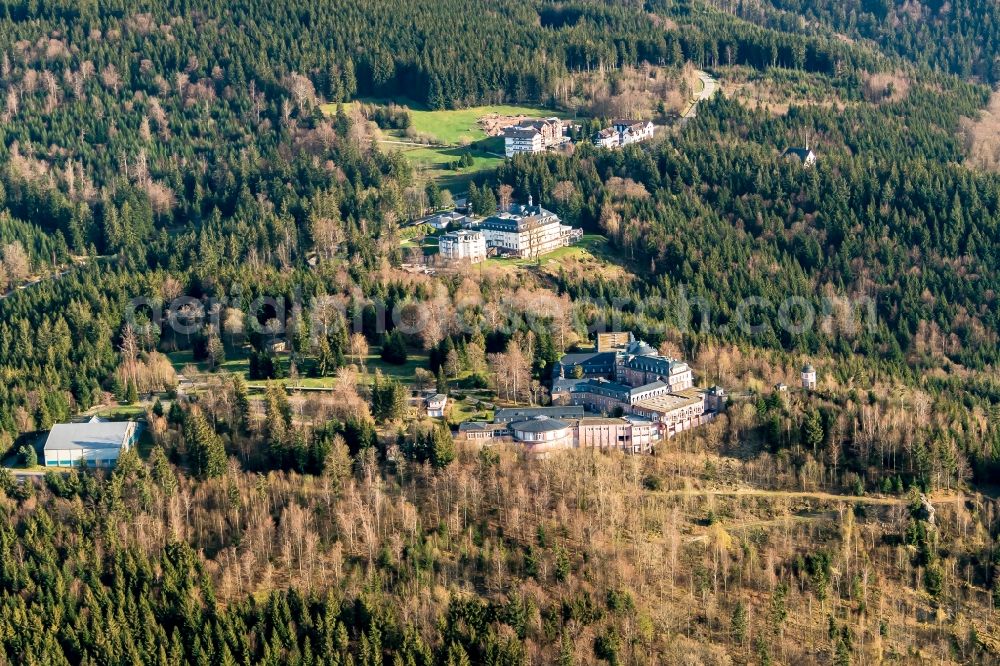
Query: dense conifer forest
[(213, 151)]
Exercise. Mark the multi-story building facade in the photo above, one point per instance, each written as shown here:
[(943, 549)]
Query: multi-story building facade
[(630, 362), (629, 434), (526, 231), (464, 245), (641, 364), (675, 412), (607, 138), (634, 131), (604, 396), (541, 434), (631, 377), (533, 136)]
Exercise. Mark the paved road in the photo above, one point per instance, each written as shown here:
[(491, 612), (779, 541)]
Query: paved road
[(709, 87)]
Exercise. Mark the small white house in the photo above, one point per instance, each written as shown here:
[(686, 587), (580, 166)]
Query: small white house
[(805, 155), (808, 377), (97, 442), (443, 220), (436, 405)]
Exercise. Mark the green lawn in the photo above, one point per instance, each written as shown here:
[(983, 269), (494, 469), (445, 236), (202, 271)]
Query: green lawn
[(457, 126), (460, 410), (459, 131), (591, 246), (181, 359), (436, 163), (120, 412), (239, 364)]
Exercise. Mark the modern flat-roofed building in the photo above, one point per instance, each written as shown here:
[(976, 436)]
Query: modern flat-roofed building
[(614, 340), (512, 414), (464, 245), (541, 434), (629, 434), (675, 412), (97, 442)]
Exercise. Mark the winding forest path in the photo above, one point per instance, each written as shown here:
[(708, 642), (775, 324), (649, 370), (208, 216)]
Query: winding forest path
[(709, 87)]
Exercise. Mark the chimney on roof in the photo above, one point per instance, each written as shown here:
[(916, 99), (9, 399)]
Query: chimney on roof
[(529, 201)]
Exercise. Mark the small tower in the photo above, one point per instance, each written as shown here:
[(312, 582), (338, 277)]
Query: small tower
[(808, 377)]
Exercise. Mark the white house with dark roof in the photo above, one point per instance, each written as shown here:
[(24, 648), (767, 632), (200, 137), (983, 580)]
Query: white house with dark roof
[(808, 377), (623, 132), (804, 155), (436, 405), (444, 220), (99, 443)]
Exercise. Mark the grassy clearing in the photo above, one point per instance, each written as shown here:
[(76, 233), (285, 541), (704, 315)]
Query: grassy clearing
[(404, 373), (182, 359), (240, 365), (459, 132), (592, 247), (119, 412), (459, 410), (458, 126)]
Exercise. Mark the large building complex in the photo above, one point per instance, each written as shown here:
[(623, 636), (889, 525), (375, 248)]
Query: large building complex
[(526, 231), (633, 363), (465, 245), (627, 376), (624, 396), (533, 136)]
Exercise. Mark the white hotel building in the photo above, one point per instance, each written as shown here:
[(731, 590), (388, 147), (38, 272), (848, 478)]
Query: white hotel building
[(526, 232), (465, 245), (533, 136)]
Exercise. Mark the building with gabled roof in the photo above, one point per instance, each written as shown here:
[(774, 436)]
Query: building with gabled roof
[(533, 135), (624, 131), (805, 155)]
